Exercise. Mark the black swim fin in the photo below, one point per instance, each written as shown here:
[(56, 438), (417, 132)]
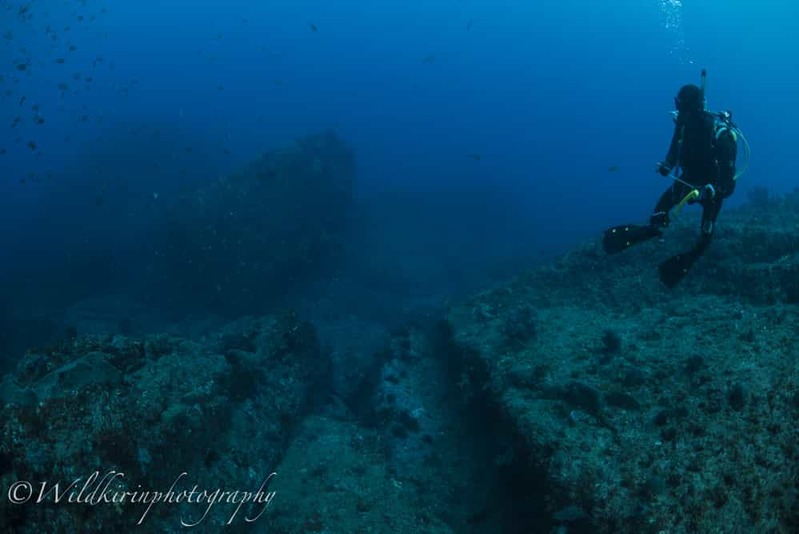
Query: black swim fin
[(675, 268), (620, 238)]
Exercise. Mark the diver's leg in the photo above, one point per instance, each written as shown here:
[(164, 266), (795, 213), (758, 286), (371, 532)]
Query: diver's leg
[(710, 211), (622, 237), (670, 198), (675, 268)]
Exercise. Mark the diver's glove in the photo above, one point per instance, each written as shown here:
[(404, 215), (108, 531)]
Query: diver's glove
[(662, 168)]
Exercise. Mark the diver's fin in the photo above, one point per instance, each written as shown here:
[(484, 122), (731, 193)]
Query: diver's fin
[(620, 238), (675, 268)]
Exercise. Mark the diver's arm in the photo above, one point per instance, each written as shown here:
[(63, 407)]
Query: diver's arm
[(665, 167), (673, 155)]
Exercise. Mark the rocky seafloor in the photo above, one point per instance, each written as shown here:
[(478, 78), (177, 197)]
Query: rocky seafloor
[(647, 409), (582, 396)]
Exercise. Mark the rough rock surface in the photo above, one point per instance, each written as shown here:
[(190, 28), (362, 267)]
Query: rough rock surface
[(648, 409), (223, 412)]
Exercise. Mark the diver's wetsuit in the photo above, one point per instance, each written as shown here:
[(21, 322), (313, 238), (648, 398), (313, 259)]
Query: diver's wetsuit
[(704, 159)]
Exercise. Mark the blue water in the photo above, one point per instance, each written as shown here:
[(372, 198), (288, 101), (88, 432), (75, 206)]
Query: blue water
[(558, 110)]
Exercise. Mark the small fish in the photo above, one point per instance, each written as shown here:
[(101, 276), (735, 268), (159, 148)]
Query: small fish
[(3, 151), (312, 26), (475, 157), (16, 121), (428, 59), (613, 168), (22, 67), (72, 48), (32, 145), (60, 61), (38, 119), (22, 101), (469, 25)]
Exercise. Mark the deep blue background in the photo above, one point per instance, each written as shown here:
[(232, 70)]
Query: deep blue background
[(550, 95)]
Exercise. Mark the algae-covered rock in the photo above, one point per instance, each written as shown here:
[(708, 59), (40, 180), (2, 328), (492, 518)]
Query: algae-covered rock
[(686, 426), (129, 414)]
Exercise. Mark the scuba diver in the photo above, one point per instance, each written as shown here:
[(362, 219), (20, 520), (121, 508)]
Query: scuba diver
[(701, 160)]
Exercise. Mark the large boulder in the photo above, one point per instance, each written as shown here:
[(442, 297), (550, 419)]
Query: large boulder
[(245, 241)]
